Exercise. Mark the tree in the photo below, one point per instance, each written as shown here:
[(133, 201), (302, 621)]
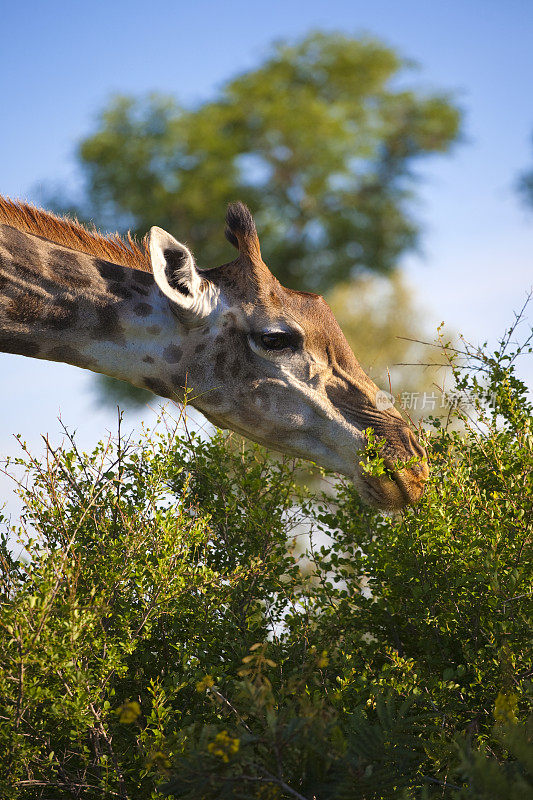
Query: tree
[(319, 140)]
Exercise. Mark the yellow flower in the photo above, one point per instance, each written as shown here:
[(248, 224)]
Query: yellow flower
[(206, 683), (224, 746), (505, 707), (323, 661), (128, 712), (158, 760)]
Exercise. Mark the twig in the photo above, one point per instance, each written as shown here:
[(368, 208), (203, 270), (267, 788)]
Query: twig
[(444, 784)]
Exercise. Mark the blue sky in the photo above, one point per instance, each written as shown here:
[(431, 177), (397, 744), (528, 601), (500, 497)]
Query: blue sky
[(61, 61)]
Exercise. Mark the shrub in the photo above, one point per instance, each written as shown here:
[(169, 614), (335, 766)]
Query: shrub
[(163, 632)]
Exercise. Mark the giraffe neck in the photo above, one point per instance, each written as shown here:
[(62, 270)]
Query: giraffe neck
[(61, 305)]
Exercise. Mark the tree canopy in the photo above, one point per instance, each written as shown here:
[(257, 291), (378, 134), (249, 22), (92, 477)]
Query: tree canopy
[(320, 140)]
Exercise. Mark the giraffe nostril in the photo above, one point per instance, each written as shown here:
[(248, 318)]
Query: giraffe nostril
[(415, 445), (421, 469)]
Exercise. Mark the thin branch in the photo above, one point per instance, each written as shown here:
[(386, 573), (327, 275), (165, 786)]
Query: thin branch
[(270, 778)]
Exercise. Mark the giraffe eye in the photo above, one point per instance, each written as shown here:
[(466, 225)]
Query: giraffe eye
[(278, 340)]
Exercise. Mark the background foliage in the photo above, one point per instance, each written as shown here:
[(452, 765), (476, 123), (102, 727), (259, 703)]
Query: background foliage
[(167, 630), (322, 140)]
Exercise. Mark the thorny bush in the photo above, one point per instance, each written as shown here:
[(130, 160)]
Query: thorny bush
[(185, 618)]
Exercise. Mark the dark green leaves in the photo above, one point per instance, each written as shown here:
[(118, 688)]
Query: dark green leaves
[(316, 140)]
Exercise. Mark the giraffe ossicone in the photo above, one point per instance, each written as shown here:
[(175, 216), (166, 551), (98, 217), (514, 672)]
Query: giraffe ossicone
[(263, 360)]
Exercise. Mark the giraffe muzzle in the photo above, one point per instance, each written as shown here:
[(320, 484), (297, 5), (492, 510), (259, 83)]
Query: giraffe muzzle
[(402, 486)]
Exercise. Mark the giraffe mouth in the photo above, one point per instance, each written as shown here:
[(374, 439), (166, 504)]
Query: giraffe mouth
[(400, 486), (395, 491)]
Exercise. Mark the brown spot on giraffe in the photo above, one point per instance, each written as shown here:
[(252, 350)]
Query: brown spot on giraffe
[(220, 365), (158, 387), (62, 314), (172, 354), (145, 278), (65, 266), (120, 291), (70, 355), (24, 256), (109, 271), (109, 326), (143, 309), (140, 290), (20, 346), (26, 308)]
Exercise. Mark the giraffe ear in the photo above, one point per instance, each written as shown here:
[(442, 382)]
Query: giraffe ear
[(191, 297)]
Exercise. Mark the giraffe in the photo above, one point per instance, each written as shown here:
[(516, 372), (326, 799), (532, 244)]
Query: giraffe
[(253, 356)]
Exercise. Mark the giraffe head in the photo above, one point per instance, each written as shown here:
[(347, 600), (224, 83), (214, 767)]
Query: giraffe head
[(273, 364)]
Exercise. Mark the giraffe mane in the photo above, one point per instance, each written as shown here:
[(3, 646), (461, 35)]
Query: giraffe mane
[(26, 217)]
